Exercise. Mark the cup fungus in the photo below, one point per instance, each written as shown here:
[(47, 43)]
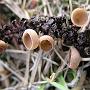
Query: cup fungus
[(30, 39), (79, 17), (3, 46), (46, 42), (74, 58)]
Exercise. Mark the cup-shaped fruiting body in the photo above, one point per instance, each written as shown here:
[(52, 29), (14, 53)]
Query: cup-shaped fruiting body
[(30, 39), (46, 43), (3, 46), (74, 58), (79, 17)]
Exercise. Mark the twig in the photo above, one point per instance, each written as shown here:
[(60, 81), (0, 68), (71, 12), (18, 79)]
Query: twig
[(39, 82), (13, 88), (49, 8), (65, 74), (13, 72), (85, 59), (15, 51), (50, 61), (16, 9), (71, 7), (60, 57), (45, 9), (24, 4), (46, 69), (33, 73), (26, 77), (39, 70), (60, 69), (47, 59)]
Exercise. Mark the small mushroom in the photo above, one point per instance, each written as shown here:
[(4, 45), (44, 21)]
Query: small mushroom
[(30, 39), (3, 46), (46, 43), (73, 57), (79, 17)]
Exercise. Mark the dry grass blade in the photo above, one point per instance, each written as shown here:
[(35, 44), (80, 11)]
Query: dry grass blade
[(49, 8), (26, 77), (85, 59), (45, 9), (39, 70), (16, 9), (60, 57), (17, 54), (12, 71), (33, 73), (60, 69), (15, 51), (50, 61), (47, 67), (71, 7)]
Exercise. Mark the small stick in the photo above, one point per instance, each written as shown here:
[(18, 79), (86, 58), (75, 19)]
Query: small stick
[(46, 69), (85, 59), (27, 69), (60, 69), (39, 70), (16, 9), (45, 9), (65, 74), (60, 57), (8, 68), (71, 8), (23, 4), (34, 71), (39, 82), (50, 61), (49, 8)]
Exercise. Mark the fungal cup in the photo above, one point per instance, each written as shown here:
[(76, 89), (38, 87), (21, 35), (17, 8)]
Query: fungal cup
[(79, 17), (46, 43), (30, 39)]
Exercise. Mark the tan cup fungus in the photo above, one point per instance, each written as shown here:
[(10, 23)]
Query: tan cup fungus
[(79, 17), (3, 46), (30, 39), (46, 43), (75, 58)]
